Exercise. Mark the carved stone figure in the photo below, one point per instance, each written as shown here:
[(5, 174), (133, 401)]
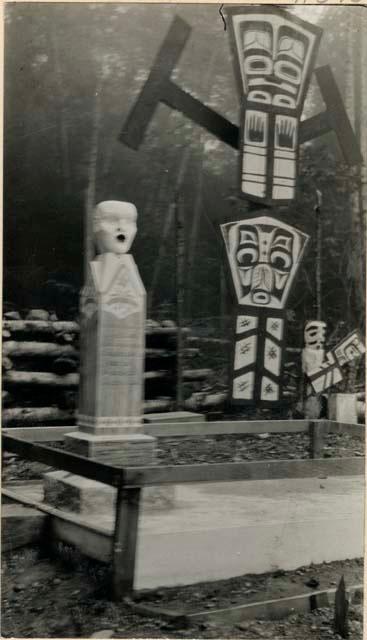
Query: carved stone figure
[(112, 308)]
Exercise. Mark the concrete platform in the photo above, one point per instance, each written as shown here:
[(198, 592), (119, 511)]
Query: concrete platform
[(223, 530), (220, 530)]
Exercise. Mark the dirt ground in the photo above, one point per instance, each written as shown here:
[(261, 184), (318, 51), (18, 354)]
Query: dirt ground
[(67, 596)]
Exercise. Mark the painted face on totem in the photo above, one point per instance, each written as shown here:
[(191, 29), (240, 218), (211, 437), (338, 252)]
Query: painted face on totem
[(273, 63), (264, 255), (314, 334), (114, 226), (274, 56)]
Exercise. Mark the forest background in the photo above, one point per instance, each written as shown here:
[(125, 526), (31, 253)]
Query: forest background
[(72, 74)]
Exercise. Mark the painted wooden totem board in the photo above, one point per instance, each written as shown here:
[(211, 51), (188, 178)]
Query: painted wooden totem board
[(264, 255)]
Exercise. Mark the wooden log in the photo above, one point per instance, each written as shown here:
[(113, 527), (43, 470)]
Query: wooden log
[(196, 374), (7, 398), (159, 405), (6, 334), (191, 352), (27, 378), (125, 541), (40, 378), (200, 340), (188, 374), (32, 348), (36, 415), (65, 365), (6, 364), (159, 353), (157, 375), (63, 336), (40, 326), (12, 315), (202, 400)]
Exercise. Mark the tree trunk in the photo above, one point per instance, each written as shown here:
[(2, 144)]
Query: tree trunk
[(166, 231)]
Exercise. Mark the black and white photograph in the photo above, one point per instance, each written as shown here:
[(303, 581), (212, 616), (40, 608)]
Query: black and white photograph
[(183, 320)]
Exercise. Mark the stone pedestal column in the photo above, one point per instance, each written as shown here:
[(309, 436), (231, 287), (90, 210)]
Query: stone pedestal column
[(112, 365)]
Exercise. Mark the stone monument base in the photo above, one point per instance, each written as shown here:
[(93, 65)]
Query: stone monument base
[(342, 407), (81, 495), (87, 497), (130, 450)]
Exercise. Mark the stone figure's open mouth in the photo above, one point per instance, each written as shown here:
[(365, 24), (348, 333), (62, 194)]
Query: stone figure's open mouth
[(121, 237)]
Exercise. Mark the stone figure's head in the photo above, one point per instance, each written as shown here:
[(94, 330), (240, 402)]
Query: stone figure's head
[(114, 226)]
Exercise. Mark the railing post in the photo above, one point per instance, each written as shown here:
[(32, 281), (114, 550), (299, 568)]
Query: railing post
[(317, 431), (124, 542)]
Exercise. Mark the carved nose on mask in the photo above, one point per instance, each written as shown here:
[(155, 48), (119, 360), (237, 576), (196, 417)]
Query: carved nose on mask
[(262, 284)]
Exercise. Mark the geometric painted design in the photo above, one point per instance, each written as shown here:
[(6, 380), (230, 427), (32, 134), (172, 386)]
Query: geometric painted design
[(327, 375), (88, 301), (245, 352), (269, 390), (274, 54), (257, 362), (246, 323), (272, 357), (275, 327), (264, 255), (350, 348), (243, 386)]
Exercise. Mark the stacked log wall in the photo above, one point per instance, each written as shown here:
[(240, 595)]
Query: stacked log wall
[(41, 369)]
